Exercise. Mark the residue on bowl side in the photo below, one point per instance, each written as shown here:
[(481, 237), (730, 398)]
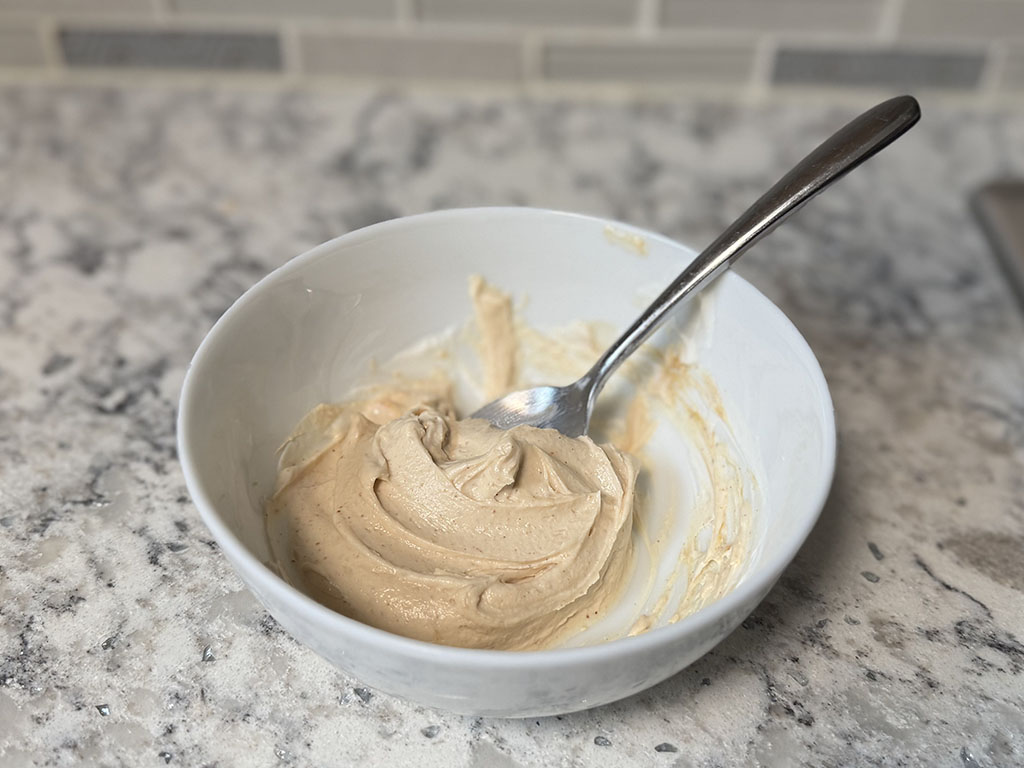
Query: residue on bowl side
[(631, 241)]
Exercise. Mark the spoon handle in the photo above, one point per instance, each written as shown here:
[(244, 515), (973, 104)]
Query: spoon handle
[(842, 152)]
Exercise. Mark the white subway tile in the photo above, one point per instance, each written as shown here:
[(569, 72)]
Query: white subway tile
[(861, 17), (344, 9), (1012, 77), (718, 62), (405, 56), (541, 13), (79, 7), (20, 44), (968, 20)]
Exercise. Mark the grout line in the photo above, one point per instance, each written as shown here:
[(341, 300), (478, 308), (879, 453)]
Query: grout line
[(675, 36), (405, 24), (994, 72), (48, 39), (406, 16), (533, 57), (890, 19), (187, 22), (389, 31), (648, 17), (914, 45), (291, 53), (764, 60), (161, 9), (667, 93)]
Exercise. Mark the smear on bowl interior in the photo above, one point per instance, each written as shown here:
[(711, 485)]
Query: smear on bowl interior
[(391, 510)]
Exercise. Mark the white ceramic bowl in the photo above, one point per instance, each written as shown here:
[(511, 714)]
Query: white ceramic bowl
[(302, 334)]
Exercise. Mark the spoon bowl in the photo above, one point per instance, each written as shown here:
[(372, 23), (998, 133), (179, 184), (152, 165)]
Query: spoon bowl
[(563, 408)]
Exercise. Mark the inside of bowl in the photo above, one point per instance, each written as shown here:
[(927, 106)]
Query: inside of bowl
[(308, 333)]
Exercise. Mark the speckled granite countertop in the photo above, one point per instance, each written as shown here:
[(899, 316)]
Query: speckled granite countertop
[(129, 220)]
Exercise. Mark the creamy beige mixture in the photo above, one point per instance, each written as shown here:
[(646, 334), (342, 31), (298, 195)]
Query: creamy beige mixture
[(453, 531), (392, 511)]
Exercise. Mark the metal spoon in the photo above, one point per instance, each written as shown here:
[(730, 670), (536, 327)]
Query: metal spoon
[(568, 408)]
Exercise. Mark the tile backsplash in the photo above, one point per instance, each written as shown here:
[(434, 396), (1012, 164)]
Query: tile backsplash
[(962, 46)]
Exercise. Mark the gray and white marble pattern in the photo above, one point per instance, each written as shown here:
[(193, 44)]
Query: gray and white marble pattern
[(131, 218)]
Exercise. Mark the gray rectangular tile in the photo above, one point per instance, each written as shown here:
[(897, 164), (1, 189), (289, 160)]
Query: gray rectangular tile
[(402, 56), (717, 62), (970, 20), (352, 9), (79, 7), (170, 49), (886, 68), (20, 44), (862, 17), (548, 13)]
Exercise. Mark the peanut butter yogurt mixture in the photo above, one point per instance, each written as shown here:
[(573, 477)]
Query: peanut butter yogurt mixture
[(392, 511)]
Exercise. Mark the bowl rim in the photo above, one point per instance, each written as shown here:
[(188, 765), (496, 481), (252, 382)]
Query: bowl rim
[(751, 589)]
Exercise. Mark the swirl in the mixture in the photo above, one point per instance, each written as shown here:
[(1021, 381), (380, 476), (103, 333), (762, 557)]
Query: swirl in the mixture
[(454, 532)]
